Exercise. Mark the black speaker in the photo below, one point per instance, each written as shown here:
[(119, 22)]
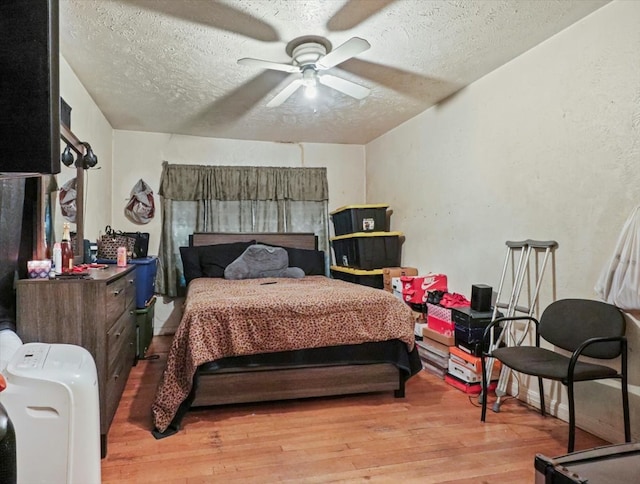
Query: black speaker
[(481, 297), (29, 86)]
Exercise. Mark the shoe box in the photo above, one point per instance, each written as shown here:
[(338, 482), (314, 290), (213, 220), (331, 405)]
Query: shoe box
[(469, 326)]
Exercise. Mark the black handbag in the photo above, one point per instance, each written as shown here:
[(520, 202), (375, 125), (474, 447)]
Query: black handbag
[(141, 245)]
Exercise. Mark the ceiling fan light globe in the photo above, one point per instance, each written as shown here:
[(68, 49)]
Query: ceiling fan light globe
[(310, 91), (309, 76)]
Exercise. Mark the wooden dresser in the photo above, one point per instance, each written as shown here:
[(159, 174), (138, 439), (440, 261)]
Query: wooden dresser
[(98, 314)]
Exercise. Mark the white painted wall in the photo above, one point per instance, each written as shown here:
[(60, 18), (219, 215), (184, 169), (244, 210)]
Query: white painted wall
[(88, 124), (140, 155), (545, 147)]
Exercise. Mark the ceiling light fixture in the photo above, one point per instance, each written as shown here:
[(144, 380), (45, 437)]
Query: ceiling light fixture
[(311, 54), (310, 82)]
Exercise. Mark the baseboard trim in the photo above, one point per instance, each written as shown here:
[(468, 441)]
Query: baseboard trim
[(561, 411)]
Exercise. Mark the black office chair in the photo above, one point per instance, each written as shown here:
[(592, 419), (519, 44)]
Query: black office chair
[(582, 327)]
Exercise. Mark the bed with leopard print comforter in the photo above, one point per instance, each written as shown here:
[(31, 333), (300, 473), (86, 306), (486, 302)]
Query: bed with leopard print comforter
[(225, 318)]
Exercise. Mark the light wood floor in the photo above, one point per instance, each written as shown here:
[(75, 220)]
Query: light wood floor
[(434, 435)]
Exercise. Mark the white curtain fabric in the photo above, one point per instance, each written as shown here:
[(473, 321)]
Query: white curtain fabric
[(619, 281), (264, 208)]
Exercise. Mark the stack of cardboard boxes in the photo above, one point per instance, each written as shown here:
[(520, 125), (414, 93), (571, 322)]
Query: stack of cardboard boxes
[(448, 331), (413, 289), (455, 328), (362, 246)]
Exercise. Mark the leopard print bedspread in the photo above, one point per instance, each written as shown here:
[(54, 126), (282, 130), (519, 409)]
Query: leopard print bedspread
[(232, 318)]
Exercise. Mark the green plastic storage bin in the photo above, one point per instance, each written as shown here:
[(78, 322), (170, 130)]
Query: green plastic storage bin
[(144, 328)]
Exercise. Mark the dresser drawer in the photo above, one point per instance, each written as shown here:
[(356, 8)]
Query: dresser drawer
[(130, 291), (118, 372), (116, 299), (119, 335)]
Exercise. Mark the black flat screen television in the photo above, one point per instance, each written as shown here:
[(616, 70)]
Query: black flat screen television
[(29, 87)]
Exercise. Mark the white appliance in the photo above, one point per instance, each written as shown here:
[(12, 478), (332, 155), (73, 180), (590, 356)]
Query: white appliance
[(52, 399)]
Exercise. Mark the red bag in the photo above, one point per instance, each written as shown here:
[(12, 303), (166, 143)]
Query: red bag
[(141, 207)]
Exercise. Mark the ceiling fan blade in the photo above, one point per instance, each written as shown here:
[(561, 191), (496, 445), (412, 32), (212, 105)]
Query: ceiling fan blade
[(247, 61), (354, 12), (283, 95), (347, 87), (349, 49)]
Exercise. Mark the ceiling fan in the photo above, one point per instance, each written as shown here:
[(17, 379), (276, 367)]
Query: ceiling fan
[(311, 55)]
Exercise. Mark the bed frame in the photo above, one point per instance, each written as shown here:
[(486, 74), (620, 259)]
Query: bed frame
[(243, 385)]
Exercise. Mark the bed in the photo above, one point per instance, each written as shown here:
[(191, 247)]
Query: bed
[(276, 338)]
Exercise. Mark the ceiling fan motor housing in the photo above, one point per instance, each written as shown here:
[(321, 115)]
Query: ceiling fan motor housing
[(308, 53)]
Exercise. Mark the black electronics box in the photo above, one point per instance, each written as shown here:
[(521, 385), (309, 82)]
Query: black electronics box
[(607, 464), (470, 318), (470, 339), (470, 326)]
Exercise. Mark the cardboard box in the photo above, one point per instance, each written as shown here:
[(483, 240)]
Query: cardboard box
[(441, 326), (389, 272), (440, 338), (436, 358), (467, 317), (462, 370), (469, 388), (440, 312), (396, 284), (433, 369), (415, 288), (464, 373), (433, 346), (417, 328), (474, 363)]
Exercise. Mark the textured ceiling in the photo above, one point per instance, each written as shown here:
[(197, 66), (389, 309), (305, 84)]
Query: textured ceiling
[(170, 65)]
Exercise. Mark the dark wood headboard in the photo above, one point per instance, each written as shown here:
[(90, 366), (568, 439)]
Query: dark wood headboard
[(306, 240)]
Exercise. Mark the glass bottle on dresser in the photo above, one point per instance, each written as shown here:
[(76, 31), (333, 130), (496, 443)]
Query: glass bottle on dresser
[(67, 251)]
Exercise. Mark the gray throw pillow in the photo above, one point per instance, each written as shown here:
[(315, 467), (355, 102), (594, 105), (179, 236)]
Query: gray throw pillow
[(259, 261)]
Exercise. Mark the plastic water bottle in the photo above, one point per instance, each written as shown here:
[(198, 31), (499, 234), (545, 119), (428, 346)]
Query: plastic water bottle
[(57, 258)]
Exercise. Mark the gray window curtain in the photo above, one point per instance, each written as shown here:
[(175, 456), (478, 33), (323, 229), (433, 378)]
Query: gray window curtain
[(203, 198)]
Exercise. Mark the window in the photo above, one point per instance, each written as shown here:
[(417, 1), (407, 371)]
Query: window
[(199, 198)]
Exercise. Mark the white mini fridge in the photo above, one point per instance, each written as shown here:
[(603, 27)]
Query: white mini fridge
[(52, 399)]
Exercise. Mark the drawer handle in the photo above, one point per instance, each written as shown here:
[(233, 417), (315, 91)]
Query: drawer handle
[(116, 293), (117, 335), (131, 281), (115, 377)]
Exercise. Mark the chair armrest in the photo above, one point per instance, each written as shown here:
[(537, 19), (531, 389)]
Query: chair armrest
[(578, 352)]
